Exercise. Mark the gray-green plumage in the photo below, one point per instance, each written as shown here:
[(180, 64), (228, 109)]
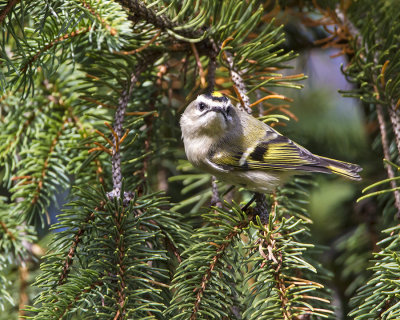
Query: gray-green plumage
[(239, 149)]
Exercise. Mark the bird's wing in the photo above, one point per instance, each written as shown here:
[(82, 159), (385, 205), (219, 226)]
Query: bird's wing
[(276, 152)]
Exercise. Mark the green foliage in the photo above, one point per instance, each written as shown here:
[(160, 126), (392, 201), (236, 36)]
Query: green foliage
[(121, 252), (260, 272)]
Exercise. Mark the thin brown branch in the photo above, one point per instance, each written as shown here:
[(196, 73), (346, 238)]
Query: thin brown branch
[(212, 66), (174, 249), (20, 133), (7, 231), (105, 105), (141, 113), (23, 284), (157, 283), (139, 11), (6, 10), (46, 162), (71, 252), (76, 298), (103, 22), (239, 84), (199, 65), (104, 137), (215, 199), (142, 47), (219, 252), (100, 147), (274, 96), (120, 243), (73, 34), (386, 153)]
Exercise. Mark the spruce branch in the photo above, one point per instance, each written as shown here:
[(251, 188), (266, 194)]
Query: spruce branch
[(215, 199), (237, 229), (16, 138), (77, 297), (117, 130), (395, 119), (23, 296), (72, 250), (6, 10), (9, 234), (121, 250), (40, 182), (28, 64), (212, 66), (139, 11), (386, 153), (238, 82), (145, 46), (102, 21)]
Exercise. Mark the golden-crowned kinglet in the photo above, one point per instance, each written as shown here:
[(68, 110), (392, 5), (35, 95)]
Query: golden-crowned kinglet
[(241, 150)]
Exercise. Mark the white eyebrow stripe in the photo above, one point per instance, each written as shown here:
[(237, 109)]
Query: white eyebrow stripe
[(210, 103)]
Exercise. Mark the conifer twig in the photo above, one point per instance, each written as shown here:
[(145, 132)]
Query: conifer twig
[(139, 11), (117, 130), (23, 295), (56, 41), (386, 153), (71, 252), (7, 9), (212, 66), (215, 200), (219, 252), (341, 17), (240, 86)]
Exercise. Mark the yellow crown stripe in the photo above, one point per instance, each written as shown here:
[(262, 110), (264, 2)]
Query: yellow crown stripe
[(217, 94)]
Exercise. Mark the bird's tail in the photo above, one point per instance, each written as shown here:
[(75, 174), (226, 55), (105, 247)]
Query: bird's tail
[(348, 170)]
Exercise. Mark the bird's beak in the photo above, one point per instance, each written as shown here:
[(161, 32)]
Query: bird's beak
[(224, 111)]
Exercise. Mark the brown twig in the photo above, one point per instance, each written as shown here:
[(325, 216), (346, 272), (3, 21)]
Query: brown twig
[(19, 134), (103, 22), (142, 47), (239, 84), (215, 200), (173, 248), (23, 284), (105, 105), (10, 4), (76, 298), (53, 145), (212, 66), (119, 239), (274, 96), (52, 44), (118, 127), (386, 153), (7, 231), (220, 251), (199, 65), (71, 252)]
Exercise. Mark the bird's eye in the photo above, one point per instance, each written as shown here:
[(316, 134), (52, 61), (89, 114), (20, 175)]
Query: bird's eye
[(202, 106)]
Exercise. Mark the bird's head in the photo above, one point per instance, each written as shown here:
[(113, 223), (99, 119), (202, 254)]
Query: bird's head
[(210, 114)]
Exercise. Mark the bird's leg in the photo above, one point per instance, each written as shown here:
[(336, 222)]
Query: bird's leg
[(261, 208), (247, 205), (215, 200)]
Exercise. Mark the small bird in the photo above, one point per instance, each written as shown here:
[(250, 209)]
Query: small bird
[(241, 150)]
